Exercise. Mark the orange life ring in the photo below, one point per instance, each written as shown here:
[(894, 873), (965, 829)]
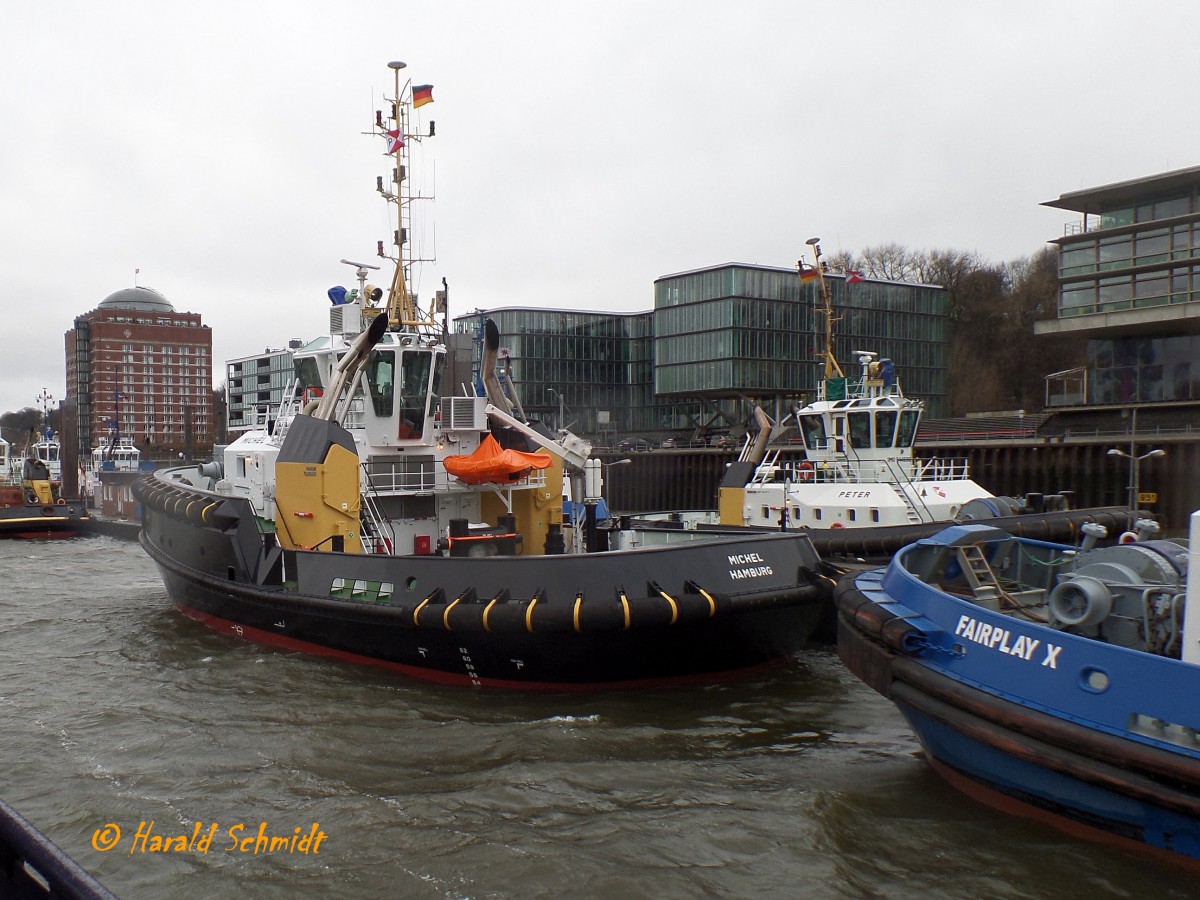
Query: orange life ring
[(806, 471), (836, 525)]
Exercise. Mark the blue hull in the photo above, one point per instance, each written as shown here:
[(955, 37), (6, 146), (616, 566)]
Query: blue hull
[(1092, 737), (994, 776)]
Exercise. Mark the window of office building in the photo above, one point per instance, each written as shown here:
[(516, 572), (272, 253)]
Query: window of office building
[(1078, 259), (1116, 218), (1145, 369), (1115, 252), (1164, 208), (1115, 293), (1078, 299), (1153, 246)]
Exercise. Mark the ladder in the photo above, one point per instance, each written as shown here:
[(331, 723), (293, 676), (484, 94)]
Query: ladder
[(910, 508), (371, 524), (901, 480), (978, 573)]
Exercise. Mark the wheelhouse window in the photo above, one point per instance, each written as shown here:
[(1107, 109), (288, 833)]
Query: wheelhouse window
[(885, 427), (415, 367), (381, 380), (435, 390), (813, 429), (860, 430), (308, 372), (908, 427)]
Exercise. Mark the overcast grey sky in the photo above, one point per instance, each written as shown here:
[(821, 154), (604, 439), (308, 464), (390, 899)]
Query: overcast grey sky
[(583, 148)]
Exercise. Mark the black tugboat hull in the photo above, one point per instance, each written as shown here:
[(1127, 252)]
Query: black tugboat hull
[(58, 520), (687, 612)]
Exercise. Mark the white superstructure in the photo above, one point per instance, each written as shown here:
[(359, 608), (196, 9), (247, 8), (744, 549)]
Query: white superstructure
[(859, 468)]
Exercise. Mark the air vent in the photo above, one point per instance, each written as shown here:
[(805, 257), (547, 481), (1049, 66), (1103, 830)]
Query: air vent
[(345, 319), (464, 414)]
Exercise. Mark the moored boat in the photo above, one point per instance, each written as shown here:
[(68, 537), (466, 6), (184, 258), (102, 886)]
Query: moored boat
[(860, 488), (31, 500), (114, 455), (390, 515), (1050, 681)]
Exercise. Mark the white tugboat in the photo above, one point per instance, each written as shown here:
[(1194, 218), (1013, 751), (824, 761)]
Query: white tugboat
[(860, 487)]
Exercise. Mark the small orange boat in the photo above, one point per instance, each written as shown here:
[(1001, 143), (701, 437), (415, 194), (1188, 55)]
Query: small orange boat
[(491, 464)]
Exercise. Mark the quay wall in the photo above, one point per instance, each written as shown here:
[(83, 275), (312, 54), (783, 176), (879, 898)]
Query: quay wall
[(688, 478)]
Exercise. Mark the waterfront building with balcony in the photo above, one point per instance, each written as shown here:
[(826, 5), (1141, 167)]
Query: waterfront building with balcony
[(256, 385), (1129, 281)]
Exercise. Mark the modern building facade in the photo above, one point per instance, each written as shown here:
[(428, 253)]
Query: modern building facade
[(137, 367), (590, 371), (717, 340), (1129, 280), (739, 330), (256, 385)]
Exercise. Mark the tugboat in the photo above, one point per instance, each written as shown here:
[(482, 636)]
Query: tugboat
[(391, 515), (31, 501), (1050, 681), (860, 488)]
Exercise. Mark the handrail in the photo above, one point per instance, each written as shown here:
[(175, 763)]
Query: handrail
[(374, 517), (912, 498)]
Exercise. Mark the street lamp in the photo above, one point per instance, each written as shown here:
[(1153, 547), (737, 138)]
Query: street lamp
[(1134, 466), (46, 399)]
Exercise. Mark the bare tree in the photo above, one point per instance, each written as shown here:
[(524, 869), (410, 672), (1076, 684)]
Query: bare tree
[(16, 426), (891, 262), (1032, 295), (844, 261), (994, 361)]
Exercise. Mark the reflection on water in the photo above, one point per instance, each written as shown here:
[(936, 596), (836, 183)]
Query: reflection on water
[(120, 712)]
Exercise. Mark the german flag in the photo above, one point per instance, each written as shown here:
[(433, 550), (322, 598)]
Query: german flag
[(808, 274), (422, 94)]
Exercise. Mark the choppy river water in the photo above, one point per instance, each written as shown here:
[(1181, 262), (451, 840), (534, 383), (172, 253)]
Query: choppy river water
[(128, 727)]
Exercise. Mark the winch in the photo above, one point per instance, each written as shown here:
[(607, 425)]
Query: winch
[(1130, 594)]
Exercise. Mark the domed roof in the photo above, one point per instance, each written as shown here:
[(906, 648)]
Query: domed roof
[(137, 298)]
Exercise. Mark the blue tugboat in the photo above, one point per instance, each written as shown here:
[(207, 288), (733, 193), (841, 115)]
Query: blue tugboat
[(1049, 681)]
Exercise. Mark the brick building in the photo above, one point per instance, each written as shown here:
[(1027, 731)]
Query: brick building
[(137, 365)]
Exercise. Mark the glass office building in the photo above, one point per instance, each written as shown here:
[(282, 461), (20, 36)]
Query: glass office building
[(591, 371), (1129, 280), (716, 339), (738, 330)]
